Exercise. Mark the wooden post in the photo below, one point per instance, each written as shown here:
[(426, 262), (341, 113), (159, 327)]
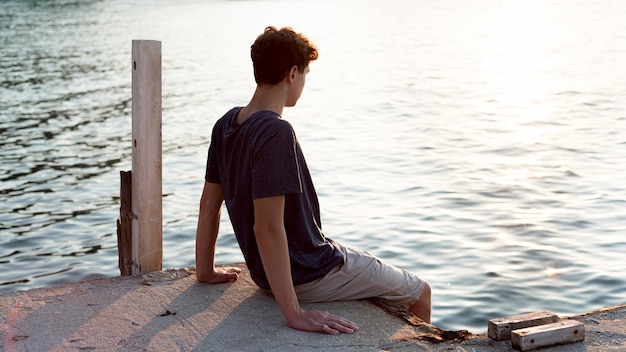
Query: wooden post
[(125, 224), (147, 235)]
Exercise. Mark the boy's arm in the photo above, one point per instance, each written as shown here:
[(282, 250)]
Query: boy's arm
[(271, 240), (206, 237)]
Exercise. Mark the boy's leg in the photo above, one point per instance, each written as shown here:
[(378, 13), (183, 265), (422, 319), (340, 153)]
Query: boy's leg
[(423, 307), (365, 276)]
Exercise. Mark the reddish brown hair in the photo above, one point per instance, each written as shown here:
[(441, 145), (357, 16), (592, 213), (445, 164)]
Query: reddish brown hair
[(275, 52)]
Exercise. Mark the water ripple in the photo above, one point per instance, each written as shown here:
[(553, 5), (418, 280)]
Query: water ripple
[(496, 180)]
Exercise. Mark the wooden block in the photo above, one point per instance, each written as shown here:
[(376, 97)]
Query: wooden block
[(559, 333), (500, 328)]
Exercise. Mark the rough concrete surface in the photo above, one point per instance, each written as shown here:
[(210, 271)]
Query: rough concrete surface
[(171, 311)]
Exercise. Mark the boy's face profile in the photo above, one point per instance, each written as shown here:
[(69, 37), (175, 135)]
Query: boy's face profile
[(297, 81)]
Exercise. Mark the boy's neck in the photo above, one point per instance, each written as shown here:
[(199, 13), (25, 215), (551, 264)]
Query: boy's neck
[(270, 98)]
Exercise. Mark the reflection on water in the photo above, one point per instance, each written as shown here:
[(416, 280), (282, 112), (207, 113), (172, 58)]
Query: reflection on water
[(60, 109), (480, 152)]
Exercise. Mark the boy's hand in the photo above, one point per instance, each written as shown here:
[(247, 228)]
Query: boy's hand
[(219, 275), (315, 320)]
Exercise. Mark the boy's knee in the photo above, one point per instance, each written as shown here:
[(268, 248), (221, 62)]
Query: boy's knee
[(425, 298), (426, 292)]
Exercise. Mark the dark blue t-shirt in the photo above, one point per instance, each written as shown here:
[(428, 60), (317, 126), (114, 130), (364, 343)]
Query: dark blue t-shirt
[(262, 158)]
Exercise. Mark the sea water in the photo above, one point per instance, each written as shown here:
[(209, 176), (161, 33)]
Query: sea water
[(480, 144)]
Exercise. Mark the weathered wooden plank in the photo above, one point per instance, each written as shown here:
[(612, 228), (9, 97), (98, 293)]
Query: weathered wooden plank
[(500, 328), (147, 163), (562, 332), (125, 224)]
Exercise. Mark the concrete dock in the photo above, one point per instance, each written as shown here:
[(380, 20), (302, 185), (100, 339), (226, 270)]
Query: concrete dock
[(171, 311)]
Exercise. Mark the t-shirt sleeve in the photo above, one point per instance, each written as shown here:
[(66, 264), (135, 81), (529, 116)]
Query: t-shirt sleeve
[(275, 168), (212, 171)]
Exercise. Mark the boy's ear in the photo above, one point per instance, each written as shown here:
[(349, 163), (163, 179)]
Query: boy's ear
[(292, 73)]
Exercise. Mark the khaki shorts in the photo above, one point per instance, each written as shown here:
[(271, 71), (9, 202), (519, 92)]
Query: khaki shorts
[(363, 276)]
